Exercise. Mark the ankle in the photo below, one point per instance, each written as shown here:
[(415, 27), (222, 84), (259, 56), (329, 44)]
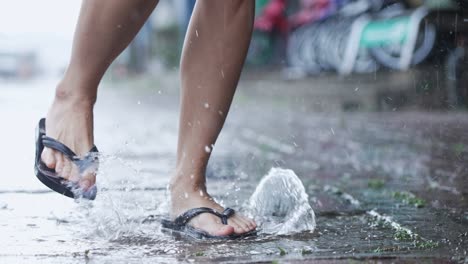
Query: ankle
[(72, 95), (187, 183)]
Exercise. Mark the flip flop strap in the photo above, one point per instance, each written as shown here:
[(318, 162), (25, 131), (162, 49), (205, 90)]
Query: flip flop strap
[(190, 214), (58, 146), (82, 163)]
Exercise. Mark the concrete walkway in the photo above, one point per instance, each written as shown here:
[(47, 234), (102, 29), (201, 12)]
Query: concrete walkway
[(386, 177)]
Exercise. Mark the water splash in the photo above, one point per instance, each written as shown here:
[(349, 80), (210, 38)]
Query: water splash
[(280, 204), (120, 209)]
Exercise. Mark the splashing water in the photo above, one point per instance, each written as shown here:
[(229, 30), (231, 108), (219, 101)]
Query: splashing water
[(280, 204)]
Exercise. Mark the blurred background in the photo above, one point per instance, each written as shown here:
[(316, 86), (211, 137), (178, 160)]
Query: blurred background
[(364, 99), (298, 39)]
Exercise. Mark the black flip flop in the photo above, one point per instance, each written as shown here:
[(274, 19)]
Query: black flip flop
[(180, 224), (50, 178)]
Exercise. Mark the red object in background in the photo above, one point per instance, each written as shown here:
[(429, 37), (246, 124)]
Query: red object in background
[(311, 10), (273, 17)]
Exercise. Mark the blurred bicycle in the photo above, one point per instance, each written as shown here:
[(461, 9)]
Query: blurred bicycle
[(342, 35)]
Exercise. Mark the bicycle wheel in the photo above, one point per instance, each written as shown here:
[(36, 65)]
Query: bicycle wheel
[(300, 50), (389, 55)]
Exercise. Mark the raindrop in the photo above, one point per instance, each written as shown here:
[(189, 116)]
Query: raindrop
[(201, 193), (207, 105), (222, 73), (207, 149), (186, 195), (196, 32)]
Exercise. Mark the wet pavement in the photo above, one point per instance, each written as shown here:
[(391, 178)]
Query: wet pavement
[(385, 173)]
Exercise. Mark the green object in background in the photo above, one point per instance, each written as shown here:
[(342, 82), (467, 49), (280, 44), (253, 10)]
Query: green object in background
[(389, 31), (261, 46), (261, 49), (259, 5)]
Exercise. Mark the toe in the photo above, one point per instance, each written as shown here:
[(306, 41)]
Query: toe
[(48, 158), (216, 228), (245, 224), (252, 223), (222, 230), (66, 169), (239, 227), (212, 225), (88, 179), (249, 222), (58, 162)]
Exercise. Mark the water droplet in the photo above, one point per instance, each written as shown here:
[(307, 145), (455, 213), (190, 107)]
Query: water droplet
[(196, 32), (186, 195), (192, 176), (207, 105), (201, 193), (207, 149), (138, 102), (222, 73), (220, 112)]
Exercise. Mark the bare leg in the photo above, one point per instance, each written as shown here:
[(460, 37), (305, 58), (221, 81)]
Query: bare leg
[(214, 52), (105, 28)]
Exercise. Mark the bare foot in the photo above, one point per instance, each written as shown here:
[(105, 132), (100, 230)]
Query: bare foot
[(70, 121), (185, 197)]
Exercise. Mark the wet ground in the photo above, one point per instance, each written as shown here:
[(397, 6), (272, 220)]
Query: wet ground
[(385, 173)]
